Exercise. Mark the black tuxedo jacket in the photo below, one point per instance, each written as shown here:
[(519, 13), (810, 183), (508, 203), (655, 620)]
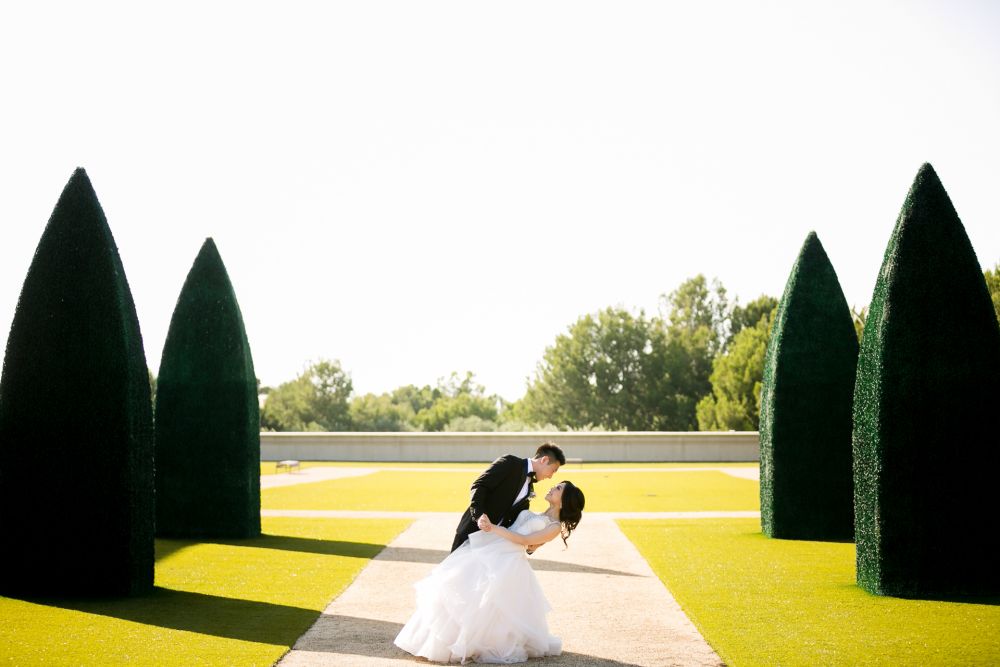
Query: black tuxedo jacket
[(493, 494)]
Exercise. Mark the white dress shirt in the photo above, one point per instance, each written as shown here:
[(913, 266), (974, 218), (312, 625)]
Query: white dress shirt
[(524, 489)]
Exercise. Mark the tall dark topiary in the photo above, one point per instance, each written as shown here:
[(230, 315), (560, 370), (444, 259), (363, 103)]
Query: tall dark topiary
[(806, 490), (926, 448), (76, 438), (207, 415)]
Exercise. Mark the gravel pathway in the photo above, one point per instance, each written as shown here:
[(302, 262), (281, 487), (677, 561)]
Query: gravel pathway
[(609, 608)]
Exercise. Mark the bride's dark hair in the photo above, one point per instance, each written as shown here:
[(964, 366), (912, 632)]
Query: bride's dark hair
[(572, 509)]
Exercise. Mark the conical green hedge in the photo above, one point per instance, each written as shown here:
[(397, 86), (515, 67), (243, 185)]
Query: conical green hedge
[(926, 453), (207, 415), (806, 490), (76, 439)]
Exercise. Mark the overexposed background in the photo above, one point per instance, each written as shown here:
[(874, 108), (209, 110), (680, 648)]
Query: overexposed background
[(416, 188)]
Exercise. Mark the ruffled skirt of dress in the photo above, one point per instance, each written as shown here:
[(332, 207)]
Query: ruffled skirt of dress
[(482, 603)]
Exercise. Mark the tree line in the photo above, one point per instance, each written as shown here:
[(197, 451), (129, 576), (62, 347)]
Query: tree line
[(695, 365)]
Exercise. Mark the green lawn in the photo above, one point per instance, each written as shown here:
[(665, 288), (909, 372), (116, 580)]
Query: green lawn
[(757, 601), (760, 601), (234, 602), (449, 491)]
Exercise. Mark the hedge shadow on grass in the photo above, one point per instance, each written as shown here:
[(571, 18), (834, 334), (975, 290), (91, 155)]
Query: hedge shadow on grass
[(167, 548), (309, 545), (232, 618)]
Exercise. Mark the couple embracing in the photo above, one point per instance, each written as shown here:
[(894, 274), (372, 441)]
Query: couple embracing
[(483, 602)]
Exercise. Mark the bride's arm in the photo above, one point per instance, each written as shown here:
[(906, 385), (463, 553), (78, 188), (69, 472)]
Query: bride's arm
[(537, 538)]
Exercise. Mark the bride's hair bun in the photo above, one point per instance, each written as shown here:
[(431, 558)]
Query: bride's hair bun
[(572, 509)]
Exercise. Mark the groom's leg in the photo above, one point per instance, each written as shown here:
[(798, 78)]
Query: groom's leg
[(459, 540), (462, 530)]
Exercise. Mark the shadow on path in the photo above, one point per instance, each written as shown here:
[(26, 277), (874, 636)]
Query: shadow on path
[(336, 633), (435, 556), (373, 639), (587, 661)]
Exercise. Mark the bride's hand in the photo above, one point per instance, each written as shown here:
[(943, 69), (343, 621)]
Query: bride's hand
[(484, 523)]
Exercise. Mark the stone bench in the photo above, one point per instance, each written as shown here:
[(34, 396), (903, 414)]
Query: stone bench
[(287, 464)]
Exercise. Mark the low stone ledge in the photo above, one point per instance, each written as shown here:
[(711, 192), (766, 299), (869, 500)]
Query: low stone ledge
[(625, 446)]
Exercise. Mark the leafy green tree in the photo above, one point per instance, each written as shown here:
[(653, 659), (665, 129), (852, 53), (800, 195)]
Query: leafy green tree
[(75, 403), (418, 398), (511, 424), (472, 423), (438, 408), (859, 317), (317, 400), (371, 412), (455, 398), (609, 369), (698, 309), (925, 450), (742, 317), (697, 330), (993, 285), (734, 403)]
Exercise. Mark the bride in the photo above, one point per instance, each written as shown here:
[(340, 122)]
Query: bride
[(483, 602)]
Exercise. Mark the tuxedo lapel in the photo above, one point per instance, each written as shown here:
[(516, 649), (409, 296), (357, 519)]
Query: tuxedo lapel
[(529, 475), (514, 509)]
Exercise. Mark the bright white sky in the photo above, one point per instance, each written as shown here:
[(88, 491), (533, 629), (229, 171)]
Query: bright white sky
[(420, 187)]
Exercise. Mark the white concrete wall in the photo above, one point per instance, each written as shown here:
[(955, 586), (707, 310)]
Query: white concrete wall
[(609, 446)]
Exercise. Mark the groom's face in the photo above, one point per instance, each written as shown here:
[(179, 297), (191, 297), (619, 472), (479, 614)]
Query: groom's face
[(547, 468)]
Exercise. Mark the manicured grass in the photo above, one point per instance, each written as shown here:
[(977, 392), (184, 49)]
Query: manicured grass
[(760, 601), (233, 602), (449, 491), (665, 492), (384, 490)]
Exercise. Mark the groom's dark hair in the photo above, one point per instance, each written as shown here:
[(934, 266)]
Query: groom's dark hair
[(551, 450)]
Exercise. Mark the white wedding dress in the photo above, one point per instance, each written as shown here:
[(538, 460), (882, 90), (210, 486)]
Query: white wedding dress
[(482, 603)]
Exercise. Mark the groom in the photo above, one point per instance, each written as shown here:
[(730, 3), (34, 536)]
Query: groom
[(504, 489)]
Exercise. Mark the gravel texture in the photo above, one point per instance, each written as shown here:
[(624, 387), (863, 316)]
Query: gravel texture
[(609, 607)]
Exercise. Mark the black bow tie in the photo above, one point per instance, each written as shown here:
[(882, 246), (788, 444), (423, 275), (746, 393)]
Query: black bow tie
[(531, 478)]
